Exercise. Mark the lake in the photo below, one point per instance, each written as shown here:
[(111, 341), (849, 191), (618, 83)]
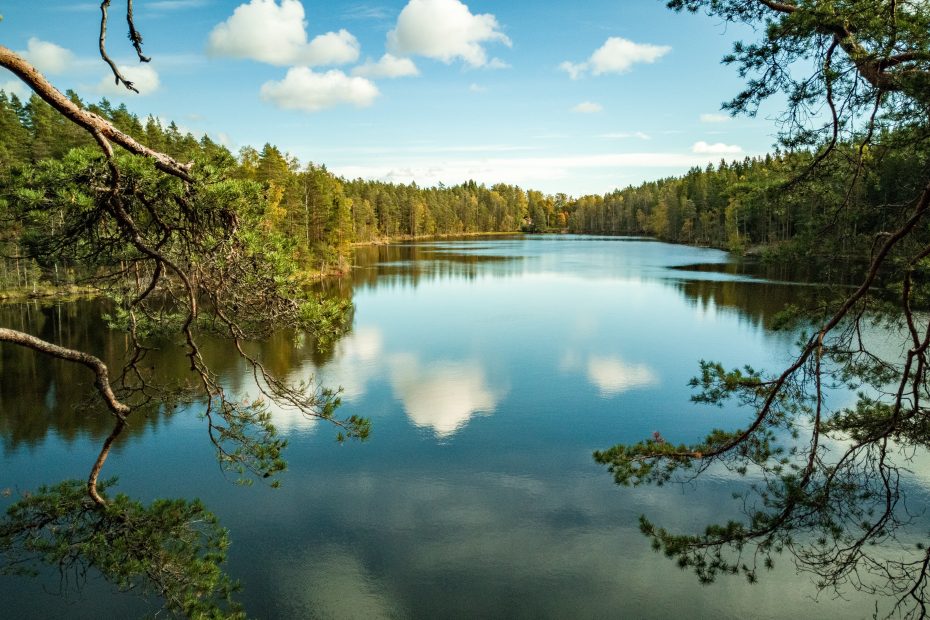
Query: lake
[(491, 369)]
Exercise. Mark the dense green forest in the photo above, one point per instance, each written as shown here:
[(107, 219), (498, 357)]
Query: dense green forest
[(318, 214), (739, 205), (743, 205)]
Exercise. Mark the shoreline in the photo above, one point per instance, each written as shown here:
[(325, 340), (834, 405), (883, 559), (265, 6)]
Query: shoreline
[(67, 292), (407, 238)]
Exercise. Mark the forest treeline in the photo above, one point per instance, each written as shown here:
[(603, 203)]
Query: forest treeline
[(739, 205), (318, 214), (745, 205)]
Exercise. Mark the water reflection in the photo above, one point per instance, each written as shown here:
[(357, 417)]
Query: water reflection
[(358, 358), (39, 395), (444, 396), (492, 369), (758, 302), (614, 376), (416, 263), (487, 543)]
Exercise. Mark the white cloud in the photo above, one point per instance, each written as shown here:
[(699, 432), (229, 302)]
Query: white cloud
[(574, 70), (517, 170), (497, 63), (143, 77), (276, 34), (224, 139), (714, 118), (365, 12), (48, 57), (623, 135), (613, 376), (332, 48), (433, 149), (588, 107), (389, 66), (617, 55), (262, 30), (445, 30), (477, 88), (15, 87), (304, 89), (718, 148)]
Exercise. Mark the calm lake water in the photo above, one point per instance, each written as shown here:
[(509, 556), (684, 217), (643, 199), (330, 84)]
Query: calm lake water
[(491, 369)]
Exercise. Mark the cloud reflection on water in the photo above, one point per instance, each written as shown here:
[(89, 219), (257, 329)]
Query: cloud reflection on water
[(613, 376), (444, 396), (610, 374), (440, 396), (357, 361)]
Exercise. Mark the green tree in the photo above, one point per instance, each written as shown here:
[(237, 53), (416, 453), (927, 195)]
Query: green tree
[(180, 249), (864, 61)]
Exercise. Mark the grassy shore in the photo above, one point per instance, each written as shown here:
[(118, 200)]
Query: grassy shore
[(46, 291)]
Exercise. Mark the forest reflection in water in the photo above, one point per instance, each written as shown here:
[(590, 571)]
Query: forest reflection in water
[(39, 395), (491, 369)]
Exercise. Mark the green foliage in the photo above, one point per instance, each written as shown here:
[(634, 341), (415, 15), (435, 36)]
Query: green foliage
[(851, 185), (171, 549), (300, 221), (743, 205)]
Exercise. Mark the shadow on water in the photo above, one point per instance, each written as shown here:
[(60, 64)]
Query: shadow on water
[(838, 274), (39, 395), (413, 264)]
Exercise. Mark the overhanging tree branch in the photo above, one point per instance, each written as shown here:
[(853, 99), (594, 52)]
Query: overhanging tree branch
[(102, 374), (89, 121)]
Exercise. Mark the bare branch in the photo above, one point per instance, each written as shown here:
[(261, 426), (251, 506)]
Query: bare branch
[(117, 75), (134, 36)]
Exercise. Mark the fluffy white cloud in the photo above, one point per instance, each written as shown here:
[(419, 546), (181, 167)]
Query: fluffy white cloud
[(389, 66), (276, 34), (332, 48), (48, 57), (445, 30), (588, 107), (714, 118), (262, 30), (143, 77), (617, 55), (718, 148), (304, 89)]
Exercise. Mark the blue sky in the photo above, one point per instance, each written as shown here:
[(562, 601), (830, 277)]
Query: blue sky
[(557, 96)]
